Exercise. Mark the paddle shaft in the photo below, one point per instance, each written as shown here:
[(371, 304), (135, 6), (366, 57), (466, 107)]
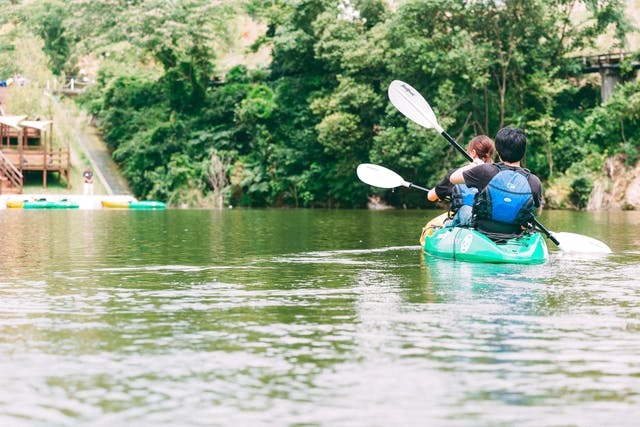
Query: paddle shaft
[(418, 187), (456, 145), (545, 231)]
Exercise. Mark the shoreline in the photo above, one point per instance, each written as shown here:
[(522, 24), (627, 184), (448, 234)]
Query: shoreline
[(84, 202)]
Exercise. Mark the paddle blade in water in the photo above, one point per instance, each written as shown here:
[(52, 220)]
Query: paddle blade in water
[(379, 176), (410, 103), (571, 242)]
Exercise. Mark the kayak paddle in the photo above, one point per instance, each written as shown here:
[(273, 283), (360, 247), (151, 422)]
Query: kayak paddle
[(413, 105), (379, 176)]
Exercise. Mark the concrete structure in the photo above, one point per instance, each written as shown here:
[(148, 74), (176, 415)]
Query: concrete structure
[(609, 67)]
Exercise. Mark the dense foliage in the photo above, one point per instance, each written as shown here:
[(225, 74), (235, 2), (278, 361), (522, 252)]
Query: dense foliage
[(292, 133)]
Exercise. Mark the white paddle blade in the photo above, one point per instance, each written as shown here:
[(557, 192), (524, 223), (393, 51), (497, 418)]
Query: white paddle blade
[(410, 103), (571, 242), (379, 176)]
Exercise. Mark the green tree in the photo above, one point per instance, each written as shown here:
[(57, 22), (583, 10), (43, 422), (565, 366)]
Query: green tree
[(615, 126), (52, 29), (483, 65), (292, 133)]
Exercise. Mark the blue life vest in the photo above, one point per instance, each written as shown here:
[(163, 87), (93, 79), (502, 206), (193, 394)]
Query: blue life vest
[(462, 195), (507, 201)]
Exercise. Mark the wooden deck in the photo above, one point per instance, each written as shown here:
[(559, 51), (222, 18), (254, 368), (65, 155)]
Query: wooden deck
[(40, 160), (28, 146)]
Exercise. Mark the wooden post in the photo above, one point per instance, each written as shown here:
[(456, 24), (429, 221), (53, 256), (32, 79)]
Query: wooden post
[(21, 150), (43, 142), (68, 167)]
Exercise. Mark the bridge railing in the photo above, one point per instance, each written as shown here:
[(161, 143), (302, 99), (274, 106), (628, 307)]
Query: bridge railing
[(603, 61)]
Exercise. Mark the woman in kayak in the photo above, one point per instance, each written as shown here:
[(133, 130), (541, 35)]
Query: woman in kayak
[(481, 149), (507, 193)]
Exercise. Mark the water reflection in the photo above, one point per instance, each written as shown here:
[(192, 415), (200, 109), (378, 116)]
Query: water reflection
[(307, 318)]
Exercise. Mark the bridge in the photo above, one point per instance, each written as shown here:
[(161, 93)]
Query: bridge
[(609, 66), (71, 87)]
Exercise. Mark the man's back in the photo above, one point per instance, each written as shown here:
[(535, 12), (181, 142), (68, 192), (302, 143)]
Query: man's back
[(524, 200)]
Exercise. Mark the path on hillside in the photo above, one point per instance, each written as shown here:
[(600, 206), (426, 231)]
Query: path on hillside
[(102, 164), (96, 151)]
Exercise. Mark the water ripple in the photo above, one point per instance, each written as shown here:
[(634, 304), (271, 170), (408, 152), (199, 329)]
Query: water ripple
[(355, 330)]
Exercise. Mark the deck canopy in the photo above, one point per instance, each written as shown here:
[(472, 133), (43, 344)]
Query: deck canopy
[(12, 121), (36, 124)]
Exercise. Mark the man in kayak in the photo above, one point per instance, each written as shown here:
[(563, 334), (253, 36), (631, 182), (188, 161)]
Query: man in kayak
[(481, 149), (508, 194)]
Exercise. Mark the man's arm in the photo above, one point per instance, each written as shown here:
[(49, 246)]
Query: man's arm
[(536, 187), (457, 178)]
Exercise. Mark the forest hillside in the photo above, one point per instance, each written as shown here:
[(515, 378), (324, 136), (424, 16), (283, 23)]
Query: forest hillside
[(275, 103)]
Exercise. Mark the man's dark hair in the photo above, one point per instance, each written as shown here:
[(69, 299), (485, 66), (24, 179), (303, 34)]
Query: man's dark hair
[(511, 144)]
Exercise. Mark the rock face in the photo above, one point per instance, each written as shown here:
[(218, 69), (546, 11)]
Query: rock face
[(618, 189), (376, 203)]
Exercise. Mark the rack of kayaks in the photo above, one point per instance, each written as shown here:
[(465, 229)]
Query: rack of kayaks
[(80, 202)]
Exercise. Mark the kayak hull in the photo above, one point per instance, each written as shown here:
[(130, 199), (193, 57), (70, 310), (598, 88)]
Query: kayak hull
[(467, 244), (147, 204), (115, 204), (137, 205), (15, 204), (45, 204)]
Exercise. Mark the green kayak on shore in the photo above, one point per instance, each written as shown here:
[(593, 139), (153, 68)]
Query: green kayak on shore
[(134, 204), (467, 244), (147, 204), (50, 204)]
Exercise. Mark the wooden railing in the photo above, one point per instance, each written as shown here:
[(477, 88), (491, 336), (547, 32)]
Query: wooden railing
[(594, 63), (12, 173), (37, 159)]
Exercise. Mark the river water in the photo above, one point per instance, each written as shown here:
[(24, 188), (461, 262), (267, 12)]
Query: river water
[(308, 318)]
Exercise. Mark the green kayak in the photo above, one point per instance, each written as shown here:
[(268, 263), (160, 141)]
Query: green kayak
[(147, 204), (467, 244), (49, 204)]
